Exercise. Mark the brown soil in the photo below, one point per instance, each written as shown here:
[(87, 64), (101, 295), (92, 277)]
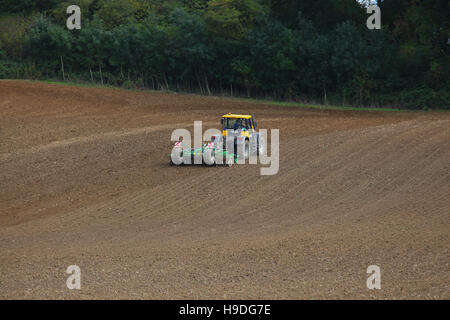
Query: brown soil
[(85, 180)]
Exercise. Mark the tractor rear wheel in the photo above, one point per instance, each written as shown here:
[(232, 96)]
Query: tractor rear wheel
[(246, 149)]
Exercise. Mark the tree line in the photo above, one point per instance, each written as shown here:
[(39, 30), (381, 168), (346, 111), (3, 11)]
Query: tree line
[(299, 50)]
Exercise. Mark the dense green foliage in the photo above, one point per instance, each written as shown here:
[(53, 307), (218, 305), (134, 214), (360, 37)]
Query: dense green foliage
[(308, 50)]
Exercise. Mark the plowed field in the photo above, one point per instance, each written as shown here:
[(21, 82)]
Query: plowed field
[(85, 180)]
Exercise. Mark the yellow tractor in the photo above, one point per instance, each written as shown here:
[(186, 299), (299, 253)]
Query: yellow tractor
[(239, 132)]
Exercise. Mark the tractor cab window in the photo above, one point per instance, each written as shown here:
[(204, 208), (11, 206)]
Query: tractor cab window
[(235, 124), (232, 124)]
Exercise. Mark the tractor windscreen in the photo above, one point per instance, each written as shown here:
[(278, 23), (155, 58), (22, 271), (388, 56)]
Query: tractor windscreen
[(232, 124)]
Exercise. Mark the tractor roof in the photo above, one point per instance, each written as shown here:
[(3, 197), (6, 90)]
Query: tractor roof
[(237, 116)]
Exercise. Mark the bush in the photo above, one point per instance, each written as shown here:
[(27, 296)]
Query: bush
[(9, 69), (424, 99)]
